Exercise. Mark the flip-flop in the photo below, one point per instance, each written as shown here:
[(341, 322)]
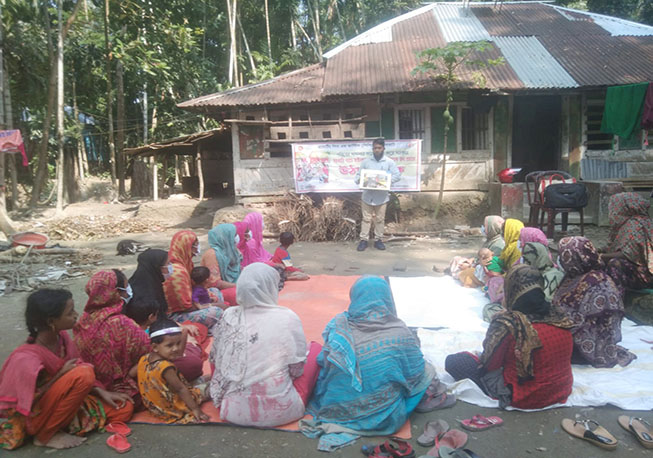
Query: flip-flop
[(118, 427), (441, 401), (453, 439), (639, 427), (599, 436), (448, 452), (119, 443), (432, 430), (387, 449), (480, 423)]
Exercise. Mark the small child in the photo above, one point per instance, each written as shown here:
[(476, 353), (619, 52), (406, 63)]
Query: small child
[(488, 265), (165, 392), (142, 311), (474, 273), (204, 296), (281, 258)]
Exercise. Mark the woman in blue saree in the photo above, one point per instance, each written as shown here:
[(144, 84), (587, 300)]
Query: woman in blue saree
[(373, 373)]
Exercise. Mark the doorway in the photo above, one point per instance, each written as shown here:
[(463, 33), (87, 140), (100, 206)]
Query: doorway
[(536, 132)]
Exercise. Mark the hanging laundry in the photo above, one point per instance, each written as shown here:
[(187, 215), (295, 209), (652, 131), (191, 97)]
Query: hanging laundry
[(622, 113), (11, 141), (647, 114)]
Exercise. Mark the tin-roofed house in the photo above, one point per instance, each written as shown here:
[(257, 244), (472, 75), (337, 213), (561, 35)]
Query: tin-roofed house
[(540, 110)]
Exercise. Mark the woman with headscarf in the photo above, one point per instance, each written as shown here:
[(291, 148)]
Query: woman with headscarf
[(532, 235), (373, 373), (526, 359), (254, 250), (511, 231), (224, 260), (243, 236), (629, 255), (147, 281), (509, 256), (537, 255), (45, 391), (492, 227), (592, 300), (262, 376), (105, 337), (178, 288)]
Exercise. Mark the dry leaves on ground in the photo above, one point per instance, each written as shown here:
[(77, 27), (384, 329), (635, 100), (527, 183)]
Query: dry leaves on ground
[(97, 227)]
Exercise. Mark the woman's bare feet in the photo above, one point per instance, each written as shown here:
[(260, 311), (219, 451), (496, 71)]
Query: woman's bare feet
[(61, 440)]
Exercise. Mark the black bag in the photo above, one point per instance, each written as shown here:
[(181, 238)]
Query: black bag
[(565, 195)]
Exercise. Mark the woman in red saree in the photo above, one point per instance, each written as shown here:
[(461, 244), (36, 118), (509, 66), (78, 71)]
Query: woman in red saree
[(45, 390), (178, 288), (106, 338)]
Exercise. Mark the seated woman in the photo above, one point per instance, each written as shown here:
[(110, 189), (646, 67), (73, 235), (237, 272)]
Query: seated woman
[(105, 337), (492, 229), (526, 359), (263, 376), (538, 256), (373, 373), (178, 288), (508, 257), (152, 270), (629, 255), (254, 250), (592, 300), (45, 390), (224, 260), (532, 234)]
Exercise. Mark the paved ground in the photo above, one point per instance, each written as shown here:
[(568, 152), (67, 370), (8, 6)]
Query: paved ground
[(522, 435)]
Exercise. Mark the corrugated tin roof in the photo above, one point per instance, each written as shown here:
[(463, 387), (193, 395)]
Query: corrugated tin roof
[(458, 23), (544, 46), (534, 66), (299, 86), (614, 26), (534, 19), (603, 60)]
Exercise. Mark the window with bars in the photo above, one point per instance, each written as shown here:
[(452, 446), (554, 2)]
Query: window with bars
[(411, 124), (475, 129)]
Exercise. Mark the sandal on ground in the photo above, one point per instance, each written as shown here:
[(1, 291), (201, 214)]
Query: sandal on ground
[(639, 427), (118, 427), (453, 439), (448, 452), (431, 403), (402, 449), (480, 423), (599, 436), (119, 443), (432, 430)]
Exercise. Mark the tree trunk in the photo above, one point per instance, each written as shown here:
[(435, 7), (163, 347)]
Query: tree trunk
[(141, 184), (60, 113), (155, 179), (249, 54), (314, 10), (9, 122), (232, 6), (120, 135), (42, 163), (267, 29), (293, 33), (444, 164), (200, 174), (107, 45)]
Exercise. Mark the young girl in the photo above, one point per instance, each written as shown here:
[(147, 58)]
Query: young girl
[(45, 389), (165, 392), (281, 258)]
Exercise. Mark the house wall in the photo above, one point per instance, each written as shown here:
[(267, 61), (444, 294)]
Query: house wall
[(266, 174)]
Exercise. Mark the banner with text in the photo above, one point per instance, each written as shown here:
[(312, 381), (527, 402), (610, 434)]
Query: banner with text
[(332, 167)]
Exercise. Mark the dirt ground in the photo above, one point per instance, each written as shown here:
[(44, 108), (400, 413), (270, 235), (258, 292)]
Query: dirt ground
[(522, 435)]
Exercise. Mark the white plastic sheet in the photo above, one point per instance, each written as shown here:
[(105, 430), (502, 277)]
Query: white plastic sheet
[(441, 303)]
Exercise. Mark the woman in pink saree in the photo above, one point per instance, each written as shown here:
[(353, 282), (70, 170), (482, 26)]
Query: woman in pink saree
[(253, 250)]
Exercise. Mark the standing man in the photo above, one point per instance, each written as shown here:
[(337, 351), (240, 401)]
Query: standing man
[(374, 201)]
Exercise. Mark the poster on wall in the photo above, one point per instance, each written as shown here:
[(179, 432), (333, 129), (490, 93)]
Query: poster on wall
[(332, 167)]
